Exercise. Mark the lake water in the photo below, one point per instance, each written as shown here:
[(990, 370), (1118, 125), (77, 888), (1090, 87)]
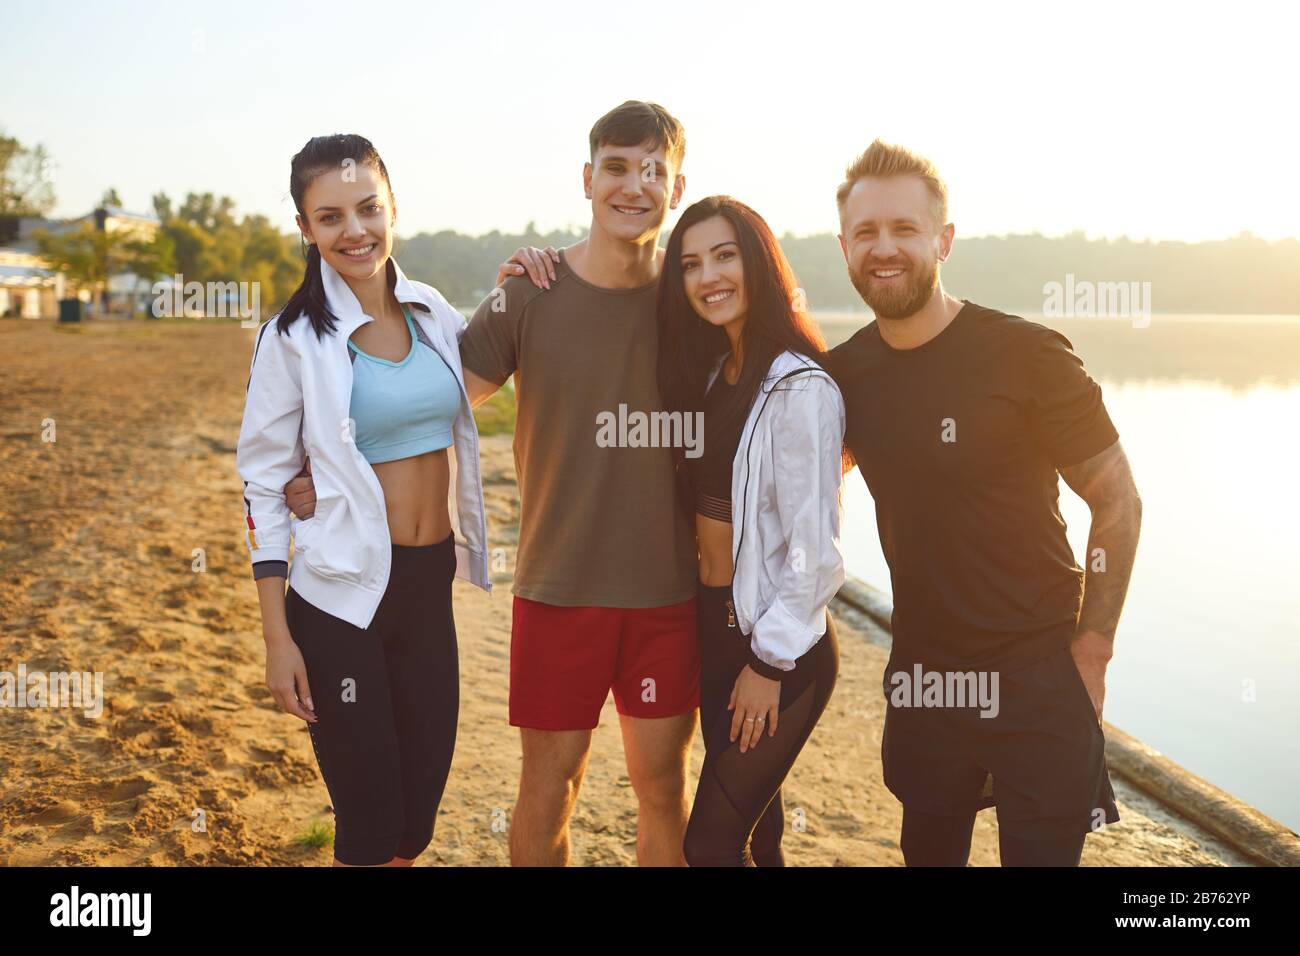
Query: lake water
[(1207, 656)]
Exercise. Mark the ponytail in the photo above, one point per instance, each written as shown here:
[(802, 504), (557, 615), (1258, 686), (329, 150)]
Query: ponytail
[(321, 154), (309, 299)]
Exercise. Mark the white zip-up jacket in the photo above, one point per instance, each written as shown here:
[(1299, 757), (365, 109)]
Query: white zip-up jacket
[(298, 403), (785, 494)]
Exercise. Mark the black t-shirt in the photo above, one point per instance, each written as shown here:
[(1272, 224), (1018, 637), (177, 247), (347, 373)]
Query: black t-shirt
[(960, 441)]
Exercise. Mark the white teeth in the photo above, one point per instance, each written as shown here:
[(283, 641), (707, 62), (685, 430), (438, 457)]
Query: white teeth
[(628, 210), (359, 253), (717, 297), (887, 273)]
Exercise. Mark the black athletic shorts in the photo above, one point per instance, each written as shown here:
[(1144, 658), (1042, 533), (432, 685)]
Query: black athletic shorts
[(1041, 760)]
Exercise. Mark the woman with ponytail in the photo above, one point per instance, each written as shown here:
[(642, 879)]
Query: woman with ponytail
[(357, 380)]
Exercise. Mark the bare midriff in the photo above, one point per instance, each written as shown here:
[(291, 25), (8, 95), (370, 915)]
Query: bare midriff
[(415, 497), (714, 539)]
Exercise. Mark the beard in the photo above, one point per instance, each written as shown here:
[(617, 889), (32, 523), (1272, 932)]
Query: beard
[(897, 302)]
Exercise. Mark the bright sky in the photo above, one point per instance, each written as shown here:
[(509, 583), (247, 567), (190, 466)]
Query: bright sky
[(1169, 121)]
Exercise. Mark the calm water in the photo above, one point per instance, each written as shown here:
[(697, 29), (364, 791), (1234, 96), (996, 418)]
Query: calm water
[(1207, 663)]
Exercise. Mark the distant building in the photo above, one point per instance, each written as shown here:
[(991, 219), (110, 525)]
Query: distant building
[(31, 289), (128, 293), (28, 288)]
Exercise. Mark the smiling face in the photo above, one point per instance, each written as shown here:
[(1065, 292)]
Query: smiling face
[(349, 214), (713, 274), (893, 243), (631, 189)]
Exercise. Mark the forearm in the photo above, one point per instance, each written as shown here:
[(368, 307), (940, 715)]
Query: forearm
[(270, 595), (1112, 547)]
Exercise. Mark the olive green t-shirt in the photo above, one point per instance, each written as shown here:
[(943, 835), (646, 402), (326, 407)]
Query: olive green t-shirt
[(599, 523)]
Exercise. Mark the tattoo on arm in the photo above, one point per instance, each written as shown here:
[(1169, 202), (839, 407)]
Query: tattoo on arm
[(1105, 482)]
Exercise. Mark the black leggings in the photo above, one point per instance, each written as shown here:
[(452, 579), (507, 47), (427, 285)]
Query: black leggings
[(933, 839), (387, 700), (739, 817)]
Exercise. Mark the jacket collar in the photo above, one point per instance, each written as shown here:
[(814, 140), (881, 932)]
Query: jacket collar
[(343, 301), (783, 364)]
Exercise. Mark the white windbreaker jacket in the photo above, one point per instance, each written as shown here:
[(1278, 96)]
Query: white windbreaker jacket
[(785, 501), (298, 403)]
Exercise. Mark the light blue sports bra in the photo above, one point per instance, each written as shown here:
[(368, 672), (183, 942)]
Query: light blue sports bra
[(402, 409)]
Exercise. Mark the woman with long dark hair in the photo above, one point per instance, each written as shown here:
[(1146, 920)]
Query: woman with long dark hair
[(738, 351), (360, 373)]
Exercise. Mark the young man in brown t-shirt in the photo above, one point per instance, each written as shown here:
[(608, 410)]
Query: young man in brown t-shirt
[(605, 577)]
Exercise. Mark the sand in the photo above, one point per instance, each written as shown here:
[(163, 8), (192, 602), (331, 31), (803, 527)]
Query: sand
[(190, 762)]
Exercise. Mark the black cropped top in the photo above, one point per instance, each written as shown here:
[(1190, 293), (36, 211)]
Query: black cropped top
[(711, 471)]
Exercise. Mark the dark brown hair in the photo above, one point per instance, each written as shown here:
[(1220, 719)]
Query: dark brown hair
[(634, 122), (775, 318), (323, 154)]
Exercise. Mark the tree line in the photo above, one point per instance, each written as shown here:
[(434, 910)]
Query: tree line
[(204, 240)]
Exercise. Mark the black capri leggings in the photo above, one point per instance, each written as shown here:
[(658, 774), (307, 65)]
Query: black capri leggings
[(739, 817), (387, 700)]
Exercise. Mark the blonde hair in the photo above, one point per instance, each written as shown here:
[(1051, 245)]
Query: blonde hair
[(883, 160)]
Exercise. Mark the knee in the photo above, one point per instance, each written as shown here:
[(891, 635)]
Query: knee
[(416, 841), (1061, 849), (550, 790), (663, 792), (407, 857), (553, 765), (936, 840), (375, 849), (701, 848)]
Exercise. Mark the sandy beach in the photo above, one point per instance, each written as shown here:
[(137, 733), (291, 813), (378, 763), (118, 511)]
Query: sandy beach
[(190, 762)]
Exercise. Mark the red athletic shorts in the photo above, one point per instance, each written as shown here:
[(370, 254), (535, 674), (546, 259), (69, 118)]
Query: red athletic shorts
[(564, 661)]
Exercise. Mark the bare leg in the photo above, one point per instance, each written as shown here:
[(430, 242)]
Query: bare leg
[(553, 764), (658, 751)]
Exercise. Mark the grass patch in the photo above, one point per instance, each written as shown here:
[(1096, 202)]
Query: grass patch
[(317, 836)]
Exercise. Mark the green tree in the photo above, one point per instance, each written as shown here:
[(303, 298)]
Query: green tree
[(85, 255), (209, 244), (150, 259), (26, 188)]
